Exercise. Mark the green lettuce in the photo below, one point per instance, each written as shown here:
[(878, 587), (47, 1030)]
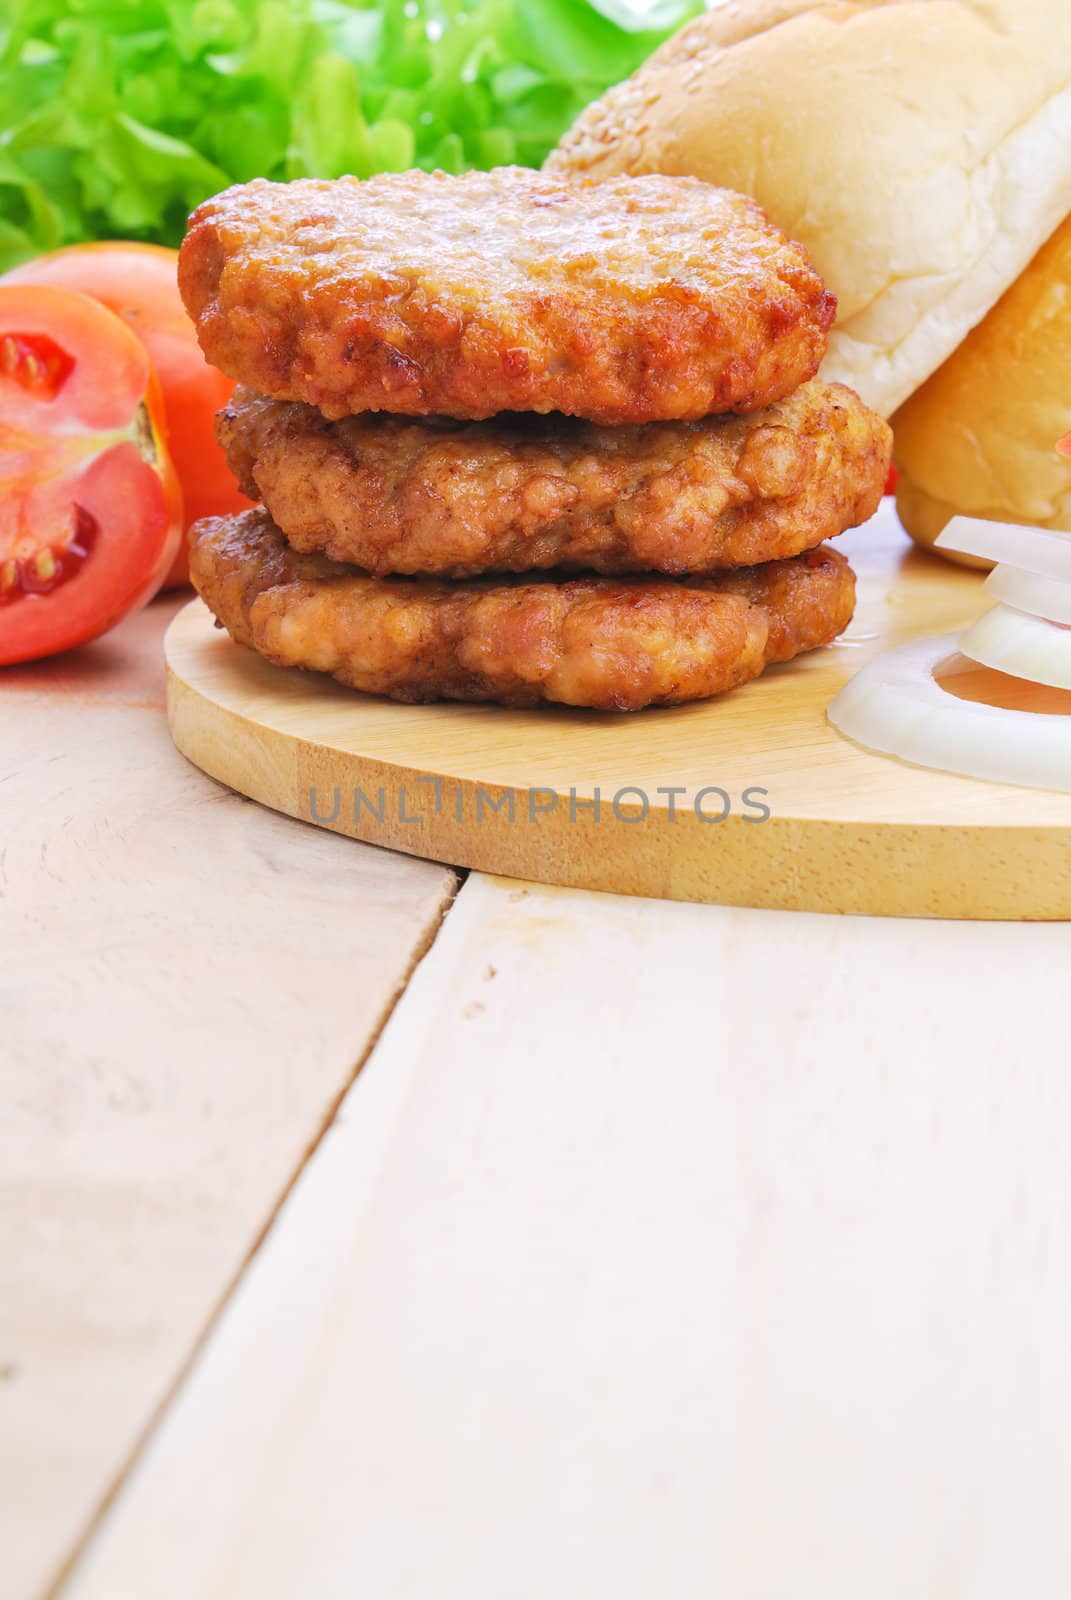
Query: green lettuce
[(118, 116)]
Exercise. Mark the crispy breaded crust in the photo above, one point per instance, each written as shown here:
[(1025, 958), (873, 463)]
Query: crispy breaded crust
[(518, 494), (635, 300), (612, 644)]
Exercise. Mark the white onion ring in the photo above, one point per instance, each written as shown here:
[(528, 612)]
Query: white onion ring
[(1041, 597), (1021, 645), (896, 706), (1045, 551)]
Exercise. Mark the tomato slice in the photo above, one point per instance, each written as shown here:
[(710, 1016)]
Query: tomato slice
[(90, 508), (139, 282)]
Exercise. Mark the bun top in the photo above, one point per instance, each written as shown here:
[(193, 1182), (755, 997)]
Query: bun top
[(920, 149), (980, 436)]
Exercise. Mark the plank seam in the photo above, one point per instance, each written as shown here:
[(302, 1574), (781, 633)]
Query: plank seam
[(420, 949)]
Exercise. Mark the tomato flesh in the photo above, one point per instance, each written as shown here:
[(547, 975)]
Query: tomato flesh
[(139, 282), (90, 513)]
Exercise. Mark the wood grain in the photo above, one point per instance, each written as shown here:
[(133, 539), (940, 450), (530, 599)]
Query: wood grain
[(512, 791), (188, 984), (659, 1250)]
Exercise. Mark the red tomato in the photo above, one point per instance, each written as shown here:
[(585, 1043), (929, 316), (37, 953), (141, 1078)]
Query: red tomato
[(890, 483), (1064, 445), (139, 283), (90, 508)]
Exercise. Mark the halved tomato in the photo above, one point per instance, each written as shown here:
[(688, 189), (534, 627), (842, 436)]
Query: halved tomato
[(139, 282), (90, 508)]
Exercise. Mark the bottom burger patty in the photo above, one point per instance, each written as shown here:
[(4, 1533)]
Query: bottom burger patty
[(609, 643)]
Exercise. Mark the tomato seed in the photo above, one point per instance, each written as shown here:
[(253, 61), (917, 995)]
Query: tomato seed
[(51, 566), (35, 362)]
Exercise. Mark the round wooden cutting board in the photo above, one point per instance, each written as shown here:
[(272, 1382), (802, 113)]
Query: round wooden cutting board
[(752, 799)]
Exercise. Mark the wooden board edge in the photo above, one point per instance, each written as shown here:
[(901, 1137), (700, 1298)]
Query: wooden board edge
[(883, 869)]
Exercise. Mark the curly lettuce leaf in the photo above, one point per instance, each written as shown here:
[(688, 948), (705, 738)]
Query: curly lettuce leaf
[(118, 116)]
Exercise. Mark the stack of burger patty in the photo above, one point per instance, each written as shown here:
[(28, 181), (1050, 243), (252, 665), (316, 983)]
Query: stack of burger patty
[(524, 438)]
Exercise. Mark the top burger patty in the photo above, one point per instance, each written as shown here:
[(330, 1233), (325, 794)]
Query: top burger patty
[(516, 494), (635, 300)]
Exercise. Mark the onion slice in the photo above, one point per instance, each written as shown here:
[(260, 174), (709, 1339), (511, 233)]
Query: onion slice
[(1024, 646), (1041, 597), (896, 706), (1045, 551)]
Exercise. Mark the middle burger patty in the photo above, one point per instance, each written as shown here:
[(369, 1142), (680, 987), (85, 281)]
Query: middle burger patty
[(520, 493)]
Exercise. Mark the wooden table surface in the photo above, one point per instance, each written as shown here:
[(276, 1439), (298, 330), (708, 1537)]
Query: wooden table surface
[(658, 1251)]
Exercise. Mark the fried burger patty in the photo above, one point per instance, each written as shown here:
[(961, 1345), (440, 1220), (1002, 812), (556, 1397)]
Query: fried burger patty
[(516, 494), (636, 300), (609, 643)]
